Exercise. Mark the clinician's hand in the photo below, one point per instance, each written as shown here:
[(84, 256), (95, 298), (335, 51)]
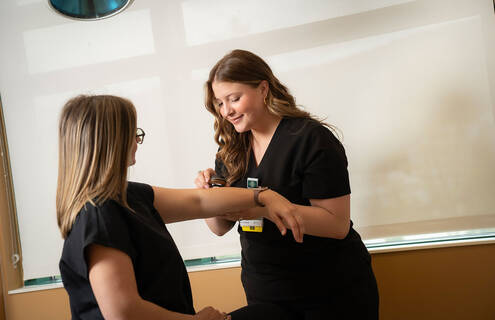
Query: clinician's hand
[(203, 178), (210, 313), (283, 213)]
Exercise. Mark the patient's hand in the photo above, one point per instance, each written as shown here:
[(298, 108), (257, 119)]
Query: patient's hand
[(210, 313)]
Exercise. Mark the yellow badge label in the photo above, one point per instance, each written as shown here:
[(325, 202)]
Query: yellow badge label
[(252, 229), (255, 225)]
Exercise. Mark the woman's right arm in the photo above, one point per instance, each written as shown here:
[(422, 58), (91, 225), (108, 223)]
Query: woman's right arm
[(112, 280)]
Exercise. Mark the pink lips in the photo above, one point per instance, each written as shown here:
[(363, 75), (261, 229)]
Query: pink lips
[(236, 120)]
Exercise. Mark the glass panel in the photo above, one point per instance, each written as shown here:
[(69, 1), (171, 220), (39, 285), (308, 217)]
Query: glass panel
[(43, 281)]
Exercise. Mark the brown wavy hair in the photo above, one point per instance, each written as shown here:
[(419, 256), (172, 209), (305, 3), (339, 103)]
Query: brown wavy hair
[(96, 135), (245, 67)]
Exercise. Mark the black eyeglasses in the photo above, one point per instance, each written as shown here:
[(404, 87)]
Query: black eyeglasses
[(140, 135)]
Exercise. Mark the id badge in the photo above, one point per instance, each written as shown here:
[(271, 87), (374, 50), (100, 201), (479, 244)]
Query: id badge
[(255, 225)]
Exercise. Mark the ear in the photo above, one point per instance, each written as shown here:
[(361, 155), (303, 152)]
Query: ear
[(264, 87)]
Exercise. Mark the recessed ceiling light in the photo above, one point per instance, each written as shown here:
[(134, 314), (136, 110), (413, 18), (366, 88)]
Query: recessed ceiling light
[(89, 9)]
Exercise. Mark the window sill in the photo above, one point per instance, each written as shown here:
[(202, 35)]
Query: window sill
[(375, 246)]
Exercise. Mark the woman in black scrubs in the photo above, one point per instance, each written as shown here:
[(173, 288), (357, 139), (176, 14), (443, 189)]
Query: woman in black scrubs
[(265, 140), (119, 260)]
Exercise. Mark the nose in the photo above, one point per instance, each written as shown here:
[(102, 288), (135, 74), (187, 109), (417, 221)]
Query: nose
[(227, 110)]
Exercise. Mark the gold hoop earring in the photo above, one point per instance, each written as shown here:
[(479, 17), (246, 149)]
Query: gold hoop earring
[(264, 100)]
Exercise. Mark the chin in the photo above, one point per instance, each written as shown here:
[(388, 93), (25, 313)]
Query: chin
[(241, 129)]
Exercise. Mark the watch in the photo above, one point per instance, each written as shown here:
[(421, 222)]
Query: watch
[(257, 194)]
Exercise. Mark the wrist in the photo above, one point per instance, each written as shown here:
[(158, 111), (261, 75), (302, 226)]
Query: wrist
[(257, 198)]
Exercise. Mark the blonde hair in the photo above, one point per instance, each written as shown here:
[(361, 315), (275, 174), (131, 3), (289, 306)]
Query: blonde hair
[(96, 135), (245, 67)]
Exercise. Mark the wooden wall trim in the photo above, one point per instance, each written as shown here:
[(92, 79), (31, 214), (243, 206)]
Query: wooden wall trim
[(10, 276)]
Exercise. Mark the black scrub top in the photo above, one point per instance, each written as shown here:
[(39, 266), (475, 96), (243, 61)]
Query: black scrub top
[(303, 161), (158, 267)]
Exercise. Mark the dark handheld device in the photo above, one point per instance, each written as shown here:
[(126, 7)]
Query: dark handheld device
[(217, 181)]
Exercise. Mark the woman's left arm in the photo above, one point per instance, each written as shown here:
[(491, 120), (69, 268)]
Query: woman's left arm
[(185, 204), (329, 218)]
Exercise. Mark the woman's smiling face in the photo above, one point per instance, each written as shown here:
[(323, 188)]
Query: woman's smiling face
[(240, 104)]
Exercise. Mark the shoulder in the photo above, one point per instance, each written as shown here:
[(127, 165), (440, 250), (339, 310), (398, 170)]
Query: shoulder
[(107, 214), (302, 126), (108, 207), (310, 131), (107, 224), (140, 191), (314, 140), (100, 223)]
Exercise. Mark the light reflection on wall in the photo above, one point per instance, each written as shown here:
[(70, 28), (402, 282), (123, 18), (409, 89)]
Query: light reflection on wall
[(406, 102), (88, 43), (146, 96), (227, 19)]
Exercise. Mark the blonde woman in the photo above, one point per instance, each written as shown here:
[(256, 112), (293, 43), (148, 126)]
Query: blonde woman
[(265, 139), (119, 261)]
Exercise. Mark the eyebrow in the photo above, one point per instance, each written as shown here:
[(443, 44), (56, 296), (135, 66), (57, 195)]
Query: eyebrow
[(227, 96)]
